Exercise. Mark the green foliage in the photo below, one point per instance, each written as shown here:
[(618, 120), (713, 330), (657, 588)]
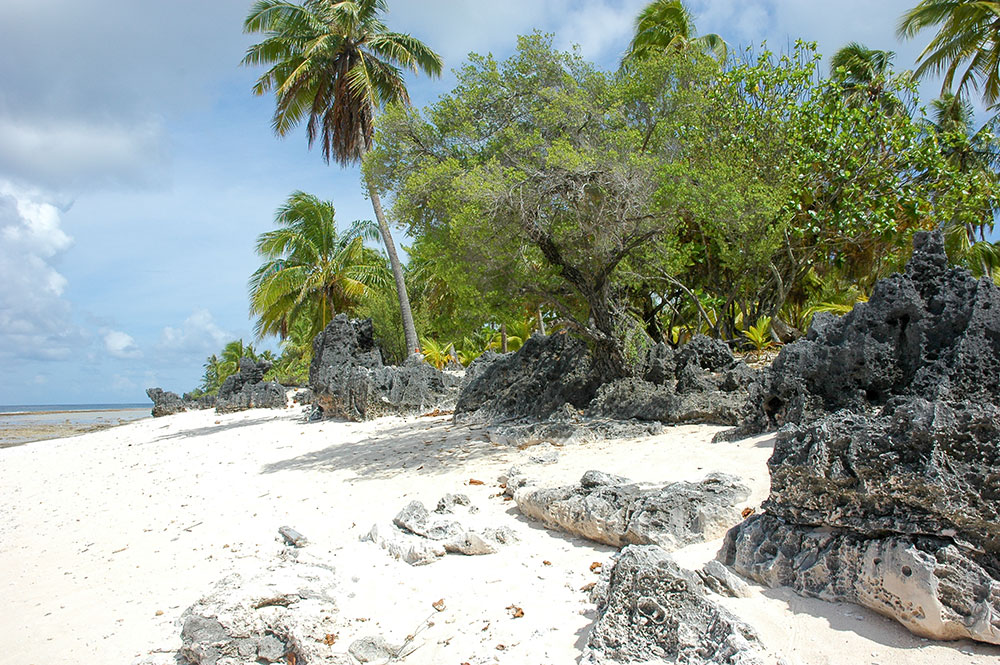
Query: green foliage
[(759, 335), (436, 354), (967, 38), (218, 368)]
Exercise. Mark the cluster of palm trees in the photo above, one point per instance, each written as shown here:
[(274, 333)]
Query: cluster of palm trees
[(334, 64)]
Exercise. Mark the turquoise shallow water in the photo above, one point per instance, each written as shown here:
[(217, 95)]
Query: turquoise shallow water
[(33, 422)]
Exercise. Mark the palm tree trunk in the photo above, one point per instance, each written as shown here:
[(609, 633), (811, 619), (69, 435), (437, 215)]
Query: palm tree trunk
[(409, 329)]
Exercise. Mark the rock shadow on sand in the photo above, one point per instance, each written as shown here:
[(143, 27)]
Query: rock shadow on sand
[(433, 449)]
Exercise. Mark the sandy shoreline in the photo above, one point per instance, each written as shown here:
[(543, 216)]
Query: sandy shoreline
[(107, 538)]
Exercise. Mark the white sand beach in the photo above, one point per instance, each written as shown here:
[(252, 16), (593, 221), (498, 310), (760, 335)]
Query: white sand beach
[(106, 538)]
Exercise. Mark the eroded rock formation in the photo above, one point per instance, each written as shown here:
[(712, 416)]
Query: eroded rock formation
[(892, 501), (548, 391), (419, 538), (651, 610), (349, 380), (283, 614), (167, 403), (613, 510), (247, 389)]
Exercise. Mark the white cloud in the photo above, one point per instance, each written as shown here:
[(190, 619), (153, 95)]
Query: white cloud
[(198, 334), (120, 344), (35, 320), (69, 153)]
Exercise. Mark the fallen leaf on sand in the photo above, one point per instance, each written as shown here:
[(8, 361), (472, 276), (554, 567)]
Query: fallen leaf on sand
[(439, 605), (596, 567), (330, 639), (747, 512), (515, 611), (473, 481), (588, 587)]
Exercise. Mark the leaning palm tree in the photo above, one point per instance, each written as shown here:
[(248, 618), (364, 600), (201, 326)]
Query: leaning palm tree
[(968, 39), (311, 271), (668, 25), (335, 63)]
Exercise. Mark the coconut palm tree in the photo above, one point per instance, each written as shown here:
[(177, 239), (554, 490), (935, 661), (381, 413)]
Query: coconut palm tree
[(311, 271), (967, 44), (970, 151), (334, 63), (668, 24), (863, 72)]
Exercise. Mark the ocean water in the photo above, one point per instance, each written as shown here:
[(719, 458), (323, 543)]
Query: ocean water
[(22, 423)]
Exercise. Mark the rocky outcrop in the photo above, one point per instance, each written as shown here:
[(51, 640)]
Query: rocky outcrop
[(899, 512), (419, 538), (932, 332), (284, 614), (349, 380), (934, 587), (541, 377), (548, 391), (892, 502), (651, 610), (613, 510), (700, 382), (167, 403), (247, 389)]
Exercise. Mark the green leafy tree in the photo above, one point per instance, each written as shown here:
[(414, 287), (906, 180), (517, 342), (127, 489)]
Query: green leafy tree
[(311, 271), (668, 25), (532, 175), (335, 63), (966, 46)]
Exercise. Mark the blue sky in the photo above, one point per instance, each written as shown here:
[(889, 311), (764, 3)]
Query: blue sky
[(136, 168)]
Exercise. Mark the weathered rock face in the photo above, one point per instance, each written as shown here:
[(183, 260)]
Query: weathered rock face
[(933, 332), (168, 403), (918, 468), (542, 376), (892, 502), (933, 587), (420, 538), (349, 381), (247, 389), (282, 615), (548, 391), (649, 610), (612, 510)]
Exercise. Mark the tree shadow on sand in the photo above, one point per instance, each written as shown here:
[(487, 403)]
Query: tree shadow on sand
[(432, 447), (209, 430)]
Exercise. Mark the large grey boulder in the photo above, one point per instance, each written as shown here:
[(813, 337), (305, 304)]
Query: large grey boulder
[(899, 512), (546, 373), (247, 389), (166, 403), (615, 511), (931, 332), (349, 380), (283, 614), (650, 610), (932, 586), (892, 502)]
